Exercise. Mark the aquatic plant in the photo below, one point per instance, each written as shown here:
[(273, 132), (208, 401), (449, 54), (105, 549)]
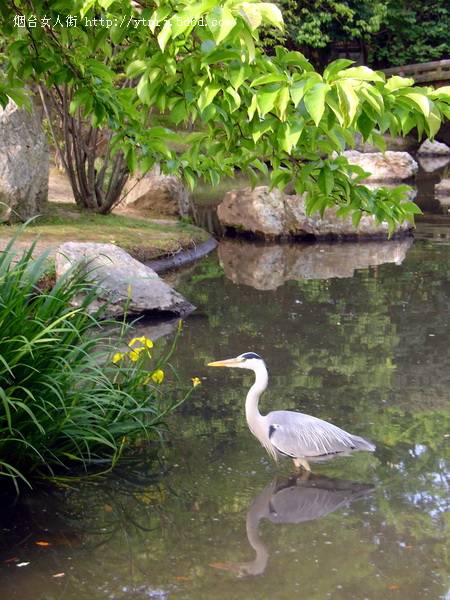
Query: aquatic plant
[(68, 399)]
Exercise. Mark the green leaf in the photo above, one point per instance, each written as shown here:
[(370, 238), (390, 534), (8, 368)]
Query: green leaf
[(259, 128), (220, 22), (397, 83), (301, 86), (237, 76), (290, 135), (268, 78), (164, 35), (434, 122), (356, 218), (178, 112), (265, 101), (237, 99), (333, 68), (282, 102), (411, 207), (249, 44), (326, 181), (252, 108), (421, 101), (348, 99), (315, 101), (82, 96), (361, 73), (271, 14), (374, 98), (144, 90), (207, 95), (251, 14), (443, 93), (137, 67)]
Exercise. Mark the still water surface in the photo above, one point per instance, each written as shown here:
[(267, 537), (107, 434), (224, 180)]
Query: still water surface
[(355, 335)]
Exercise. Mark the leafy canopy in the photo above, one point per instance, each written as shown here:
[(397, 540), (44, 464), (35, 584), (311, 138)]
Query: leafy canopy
[(317, 23), (188, 86)]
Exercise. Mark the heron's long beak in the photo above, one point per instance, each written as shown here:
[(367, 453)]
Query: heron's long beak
[(228, 362)]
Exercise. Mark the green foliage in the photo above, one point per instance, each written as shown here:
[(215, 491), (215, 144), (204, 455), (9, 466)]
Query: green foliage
[(412, 32), (63, 402), (254, 113), (317, 23)]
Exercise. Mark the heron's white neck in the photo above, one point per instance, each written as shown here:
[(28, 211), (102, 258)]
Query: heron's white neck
[(254, 417)]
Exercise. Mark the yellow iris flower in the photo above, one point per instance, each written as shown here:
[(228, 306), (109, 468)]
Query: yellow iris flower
[(117, 357), (134, 354), (158, 376), (196, 381), (145, 341)]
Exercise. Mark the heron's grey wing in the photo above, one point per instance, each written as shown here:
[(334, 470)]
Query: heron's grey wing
[(299, 435)]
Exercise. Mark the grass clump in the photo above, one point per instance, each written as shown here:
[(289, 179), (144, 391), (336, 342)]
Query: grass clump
[(63, 400), (145, 239)]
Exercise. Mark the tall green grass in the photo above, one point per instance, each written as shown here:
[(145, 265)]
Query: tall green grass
[(63, 402)]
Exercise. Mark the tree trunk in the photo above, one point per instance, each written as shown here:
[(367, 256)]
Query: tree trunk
[(96, 175)]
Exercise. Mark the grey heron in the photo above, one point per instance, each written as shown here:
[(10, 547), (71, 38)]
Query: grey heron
[(298, 436)]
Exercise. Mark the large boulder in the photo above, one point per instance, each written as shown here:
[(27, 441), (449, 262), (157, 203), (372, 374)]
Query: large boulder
[(384, 166), (156, 193), (124, 284), (260, 211), (24, 164), (429, 148), (266, 267), (271, 214)]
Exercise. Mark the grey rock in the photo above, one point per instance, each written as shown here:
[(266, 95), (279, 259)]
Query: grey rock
[(24, 164), (157, 193), (274, 215), (266, 267), (433, 163), (387, 166), (124, 284), (403, 144), (429, 148), (442, 192), (259, 210)]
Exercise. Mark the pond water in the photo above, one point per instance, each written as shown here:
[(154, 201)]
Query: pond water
[(357, 335)]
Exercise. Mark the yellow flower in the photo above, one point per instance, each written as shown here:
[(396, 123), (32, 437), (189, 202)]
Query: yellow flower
[(158, 376), (134, 354), (145, 341), (117, 357), (196, 381)]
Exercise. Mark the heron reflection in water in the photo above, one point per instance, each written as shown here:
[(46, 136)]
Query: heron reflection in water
[(303, 438), (293, 500)]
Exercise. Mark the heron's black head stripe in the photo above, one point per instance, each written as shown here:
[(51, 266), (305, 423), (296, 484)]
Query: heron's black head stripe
[(251, 355)]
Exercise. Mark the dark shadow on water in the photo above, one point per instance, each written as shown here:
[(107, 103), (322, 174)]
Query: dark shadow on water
[(292, 500)]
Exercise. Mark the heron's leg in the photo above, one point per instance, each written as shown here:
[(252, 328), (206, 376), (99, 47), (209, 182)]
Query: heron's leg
[(301, 463)]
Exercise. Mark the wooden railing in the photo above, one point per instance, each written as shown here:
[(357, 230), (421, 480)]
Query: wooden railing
[(430, 72)]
